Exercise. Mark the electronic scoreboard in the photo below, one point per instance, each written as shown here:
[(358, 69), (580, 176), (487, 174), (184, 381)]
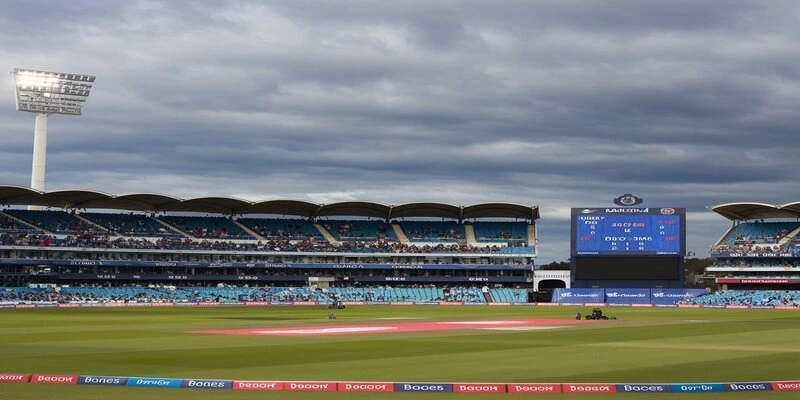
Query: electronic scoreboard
[(628, 243)]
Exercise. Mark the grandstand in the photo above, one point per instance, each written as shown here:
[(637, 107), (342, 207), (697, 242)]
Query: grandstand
[(112, 246), (759, 298), (759, 251)]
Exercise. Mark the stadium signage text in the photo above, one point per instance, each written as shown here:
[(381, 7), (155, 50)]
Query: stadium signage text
[(55, 379), (757, 280), (789, 385), (102, 380), (747, 387), (534, 388), (365, 387), (257, 385), (21, 378), (627, 210), (478, 388), (710, 387), (589, 388), (206, 384), (310, 386), (155, 382), (643, 388), (745, 255), (423, 387)]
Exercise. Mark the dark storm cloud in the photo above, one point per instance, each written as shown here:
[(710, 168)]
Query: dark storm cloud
[(556, 103)]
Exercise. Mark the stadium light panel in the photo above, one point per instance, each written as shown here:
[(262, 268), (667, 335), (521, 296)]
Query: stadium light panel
[(51, 92)]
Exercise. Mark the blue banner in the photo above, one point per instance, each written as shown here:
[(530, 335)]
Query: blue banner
[(672, 296), (155, 382), (747, 386), (658, 297), (102, 380), (643, 388), (206, 384), (697, 387), (423, 387), (628, 296), (561, 295)]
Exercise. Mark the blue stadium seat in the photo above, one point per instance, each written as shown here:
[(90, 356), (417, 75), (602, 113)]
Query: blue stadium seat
[(500, 232), (130, 224), (57, 222)]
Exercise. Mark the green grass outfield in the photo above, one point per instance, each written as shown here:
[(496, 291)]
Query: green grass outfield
[(642, 346)]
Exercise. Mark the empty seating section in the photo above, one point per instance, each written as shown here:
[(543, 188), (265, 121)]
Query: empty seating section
[(130, 224), (466, 295), (282, 229), (207, 227), (359, 229), (750, 298), (8, 225), (433, 231), (509, 295), (57, 222), (760, 232), (159, 294), (387, 294), (491, 231)]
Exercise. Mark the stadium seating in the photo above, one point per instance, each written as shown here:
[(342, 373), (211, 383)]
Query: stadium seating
[(283, 229), (57, 222), (509, 295), (130, 224), (7, 225), (491, 231), (433, 231), (760, 232), (208, 227), (359, 230), (749, 298)]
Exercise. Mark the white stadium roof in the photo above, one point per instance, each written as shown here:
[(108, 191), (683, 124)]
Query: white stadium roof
[(745, 211), (88, 199)]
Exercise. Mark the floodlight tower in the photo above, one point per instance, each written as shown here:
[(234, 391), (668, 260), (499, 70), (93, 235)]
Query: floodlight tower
[(46, 93)]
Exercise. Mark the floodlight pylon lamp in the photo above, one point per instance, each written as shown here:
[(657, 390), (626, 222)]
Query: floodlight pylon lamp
[(51, 92)]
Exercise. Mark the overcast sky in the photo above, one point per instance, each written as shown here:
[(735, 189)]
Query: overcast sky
[(555, 103)]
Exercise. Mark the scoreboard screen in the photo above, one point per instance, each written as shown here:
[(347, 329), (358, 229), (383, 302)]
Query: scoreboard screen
[(628, 231)]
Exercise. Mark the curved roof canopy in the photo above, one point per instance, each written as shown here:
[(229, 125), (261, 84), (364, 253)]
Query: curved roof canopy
[(745, 211), (72, 199)]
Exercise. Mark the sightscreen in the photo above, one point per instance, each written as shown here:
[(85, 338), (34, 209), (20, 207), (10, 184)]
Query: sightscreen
[(627, 267)]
